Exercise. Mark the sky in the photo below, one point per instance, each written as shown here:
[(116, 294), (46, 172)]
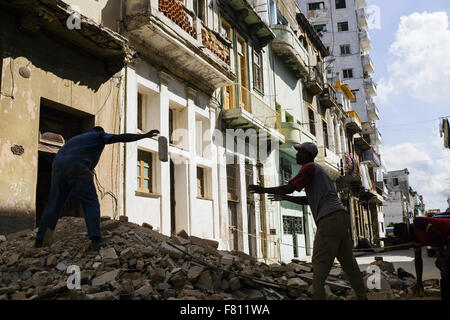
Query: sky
[(411, 54)]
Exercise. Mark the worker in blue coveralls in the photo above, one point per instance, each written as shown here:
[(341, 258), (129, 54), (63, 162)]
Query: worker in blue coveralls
[(72, 173)]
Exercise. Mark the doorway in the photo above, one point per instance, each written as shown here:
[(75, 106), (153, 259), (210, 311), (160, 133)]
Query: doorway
[(57, 124)]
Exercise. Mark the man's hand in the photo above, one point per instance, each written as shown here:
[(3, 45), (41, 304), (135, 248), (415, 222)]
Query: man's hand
[(256, 189), (418, 290), (152, 133), (277, 197)]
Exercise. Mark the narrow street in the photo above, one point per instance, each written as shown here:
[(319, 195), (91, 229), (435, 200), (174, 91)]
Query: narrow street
[(403, 259)]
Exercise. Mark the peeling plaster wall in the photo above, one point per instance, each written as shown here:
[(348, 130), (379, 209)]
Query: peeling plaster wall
[(66, 76)]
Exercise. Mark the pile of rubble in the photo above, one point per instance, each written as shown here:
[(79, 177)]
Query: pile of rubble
[(140, 263)]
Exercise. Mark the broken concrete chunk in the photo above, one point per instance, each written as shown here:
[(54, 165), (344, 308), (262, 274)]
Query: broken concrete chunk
[(144, 291), (183, 235), (18, 235), (205, 281), (176, 253), (104, 295), (109, 225), (157, 275), (51, 261), (2, 238), (204, 242), (105, 278), (42, 278), (108, 253), (123, 219), (148, 226), (235, 284), (126, 253), (297, 283), (195, 272)]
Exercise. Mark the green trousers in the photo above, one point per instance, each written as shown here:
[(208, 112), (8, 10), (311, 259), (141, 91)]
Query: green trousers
[(333, 240)]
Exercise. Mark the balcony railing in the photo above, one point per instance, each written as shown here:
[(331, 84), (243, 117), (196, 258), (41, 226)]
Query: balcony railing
[(372, 111), (370, 87), (237, 96), (330, 161), (328, 97), (371, 158), (353, 122), (286, 44), (375, 137), (314, 81), (362, 18), (318, 14), (367, 64), (364, 39), (178, 13)]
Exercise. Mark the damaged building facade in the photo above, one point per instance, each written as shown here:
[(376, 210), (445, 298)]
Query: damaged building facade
[(54, 84), (232, 84)]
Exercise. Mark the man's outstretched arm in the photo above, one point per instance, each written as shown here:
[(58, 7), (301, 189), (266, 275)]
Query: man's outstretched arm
[(296, 200), (131, 137), (286, 189)]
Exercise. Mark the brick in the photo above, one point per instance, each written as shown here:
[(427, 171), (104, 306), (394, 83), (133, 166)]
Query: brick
[(105, 278), (126, 253), (108, 253), (109, 225)]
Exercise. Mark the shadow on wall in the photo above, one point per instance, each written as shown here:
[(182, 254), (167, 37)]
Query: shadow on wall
[(52, 54), (14, 220), (110, 14)]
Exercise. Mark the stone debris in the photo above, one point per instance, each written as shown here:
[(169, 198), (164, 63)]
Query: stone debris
[(138, 263)]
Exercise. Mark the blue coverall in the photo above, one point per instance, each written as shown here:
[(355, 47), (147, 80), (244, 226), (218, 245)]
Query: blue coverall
[(72, 173)]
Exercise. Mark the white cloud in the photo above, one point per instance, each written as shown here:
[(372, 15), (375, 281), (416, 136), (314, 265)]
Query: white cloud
[(429, 176), (420, 63)]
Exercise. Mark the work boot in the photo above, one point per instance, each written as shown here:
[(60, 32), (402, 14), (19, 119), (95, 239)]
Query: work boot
[(97, 243), (37, 243)]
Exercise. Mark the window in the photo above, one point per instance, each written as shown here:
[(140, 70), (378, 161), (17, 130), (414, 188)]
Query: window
[(320, 28), (347, 73), (316, 5), (292, 225), (340, 4), (345, 49), (395, 181), (144, 171), (342, 26), (232, 179), (325, 134), (312, 122), (201, 182), (242, 73), (226, 30), (355, 93), (257, 72), (199, 9), (140, 111)]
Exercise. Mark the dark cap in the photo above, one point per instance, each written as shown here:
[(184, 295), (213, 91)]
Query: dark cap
[(308, 146)]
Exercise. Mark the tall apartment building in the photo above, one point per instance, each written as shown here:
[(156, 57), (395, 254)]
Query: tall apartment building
[(343, 28)]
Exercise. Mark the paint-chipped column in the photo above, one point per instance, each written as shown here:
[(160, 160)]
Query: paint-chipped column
[(224, 232), (243, 203), (257, 214), (164, 80), (130, 148), (214, 179), (192, 163)]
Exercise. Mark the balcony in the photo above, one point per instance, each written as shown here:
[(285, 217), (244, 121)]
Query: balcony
[(371, 158), (361, 143), (367, 64), (290, 49), (244, 110), (292, 134), (319, 15), (376, 138), (365, 41), (156, 28), (372, 111), (330, 161), (353, 122), (314, 81), (247, 14), (362, 18), (361, 4), (370, 87), (328, 97)]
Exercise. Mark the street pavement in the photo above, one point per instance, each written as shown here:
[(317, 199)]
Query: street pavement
[(403, 259)]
